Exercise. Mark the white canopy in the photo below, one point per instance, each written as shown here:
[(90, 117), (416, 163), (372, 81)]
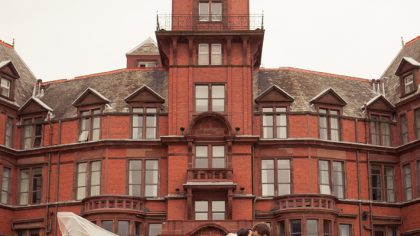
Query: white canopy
[(74, 225)]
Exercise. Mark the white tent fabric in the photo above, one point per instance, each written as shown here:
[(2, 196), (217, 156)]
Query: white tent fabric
[(74, 225)]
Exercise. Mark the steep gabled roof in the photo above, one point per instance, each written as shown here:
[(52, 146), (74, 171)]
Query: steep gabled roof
[(34, 105), (391, 80), (12, 69), (26, 82), (380, 103), (407, 63), (305, 85), (144, 94), (147, 47), (274, 94), (329, 96), (90, 96)]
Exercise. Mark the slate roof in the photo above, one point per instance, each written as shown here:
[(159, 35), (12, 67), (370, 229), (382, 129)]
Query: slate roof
[(114, 85), (304, 85), (27, 80), (147, 47), (392, 82)]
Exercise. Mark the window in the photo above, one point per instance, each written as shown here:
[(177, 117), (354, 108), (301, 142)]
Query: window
[(209, 98), (88, 182), (151, 178), (8, 140), (274, 122), (155, 229), (408, 190), (32, 132), (327, 228), (210, 156), (28, 232), (5, 85), (144, 122), (344, 230), (146, 64), (210, 10), (30, 186), (382, 180), (210, 54), (334, 179), (282, 229), (418, 178), (137, 228), (210, 210), (380, 131), (379, 230), (275, 177), (404, 129), (123, 228), (329, 127), (90, 125), (409, 83), (5, 185), (312, 227), (108, 225), (417, 122), (295, 228)]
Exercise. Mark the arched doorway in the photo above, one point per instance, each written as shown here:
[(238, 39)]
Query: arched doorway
[(209, 231)]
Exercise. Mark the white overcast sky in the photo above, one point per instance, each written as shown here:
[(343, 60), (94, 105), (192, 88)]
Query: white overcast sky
[(66, 38)]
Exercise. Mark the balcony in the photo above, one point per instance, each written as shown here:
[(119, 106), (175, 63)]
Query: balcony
[(102, 204), (210, 175), (305, 202), (209, 23)]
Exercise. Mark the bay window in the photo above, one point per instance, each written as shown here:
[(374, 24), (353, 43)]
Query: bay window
[(380, 130), (32, 132)]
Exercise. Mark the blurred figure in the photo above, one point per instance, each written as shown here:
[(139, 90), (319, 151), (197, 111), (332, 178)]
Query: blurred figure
[(261, 229), (244, 232)]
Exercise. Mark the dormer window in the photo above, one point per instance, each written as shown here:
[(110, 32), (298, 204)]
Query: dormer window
[(408, 83), (146, 64), (32, 132), (210, 10), (90, 125), (5, 87)]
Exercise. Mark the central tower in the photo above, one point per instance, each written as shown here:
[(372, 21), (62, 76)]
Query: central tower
[(210, 48)]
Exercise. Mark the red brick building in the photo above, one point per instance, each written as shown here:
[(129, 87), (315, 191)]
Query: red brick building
[(193, 138)]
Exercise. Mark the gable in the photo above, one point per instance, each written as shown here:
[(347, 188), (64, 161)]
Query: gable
[(330, 97), (380, 103), (8, 68), (144, 95), (406, 64), (274, 94), (33, 106), (90, 97)]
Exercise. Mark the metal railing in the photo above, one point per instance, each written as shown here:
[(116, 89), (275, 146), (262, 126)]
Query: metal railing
[(209, 22)]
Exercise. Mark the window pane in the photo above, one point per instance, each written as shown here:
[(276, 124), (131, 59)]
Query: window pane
[(203, 11), (282, 229), (281, 120), (201, 206), (268, 132), (137, 228), (218, 163), (151, 121), (155, 229), (201, 105), (267, 164), (216, 54), (216, 11), (327, 228), (201, 163), (267, 109), (151, 176), (218, 206), (95, 135), (123, 228), (218, 105), (201, 216), (151, 191), (268, 189), (150, 133), (312, 227), (201, 91), (152, 165), (295, 227), (107, 224), (218, 151), (284, 189), (267, 176), (203, 54), (344, 230), (268, 120), (201, 151), (218, 216)]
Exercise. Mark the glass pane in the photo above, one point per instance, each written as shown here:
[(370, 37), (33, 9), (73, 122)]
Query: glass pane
[(203, 59), (339, 191), (137, 121), (281, 132), (284, 189), (327, 227), (218, 91), (201, 91), (283, 176), (268, 120), (151, 191), (201, 206), (218, 216), (107, 224), (281, 109), (323, 133), (95, 135), (344, 230), (267, 176), (135, 165), (218, 151), (281, 120), (267, 164), (137, 110), (152, 165), (24, 185), (151, 110), (295, 227), (268, 132), (81, 193), (81, 179), (201, 105), (267, 109), (151, 121), (218, 105), (94, 191), (134, 177), (216, 11), (218, 163), (151, 177), (312, 227), (283, 164), (201, 163), (23, 198), (81, 167), (203, 11), (218, 206), (137, 229), (96, 122), (325, 189), (201, 216), (268, 189), (216, 59), (323, 165), (323, 122), (150, 133), (201, 151), (322, 111), (96, 166), (96, 111), (123, 228), (134, 190)]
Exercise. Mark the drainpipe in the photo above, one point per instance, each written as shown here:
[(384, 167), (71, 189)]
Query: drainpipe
[(47, 225), (57, 188), (359, 191), (370, 194), (252, 179)]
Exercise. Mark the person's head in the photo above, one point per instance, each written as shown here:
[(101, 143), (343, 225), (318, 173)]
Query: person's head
[(261, 229), (244, 232)]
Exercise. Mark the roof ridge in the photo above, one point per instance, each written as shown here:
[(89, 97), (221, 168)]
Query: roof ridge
[(7, 44), (412, 41), (321, 73), (101, 73)]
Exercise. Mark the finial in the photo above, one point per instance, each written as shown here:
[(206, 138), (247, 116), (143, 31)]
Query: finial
[(402, 41), (13, 43)]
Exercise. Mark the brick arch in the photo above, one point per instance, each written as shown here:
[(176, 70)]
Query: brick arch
[(208, 230), (210, 124)]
